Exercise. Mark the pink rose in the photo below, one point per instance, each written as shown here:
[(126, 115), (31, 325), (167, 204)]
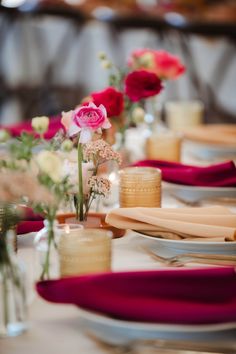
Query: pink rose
[(163, 64), (86, 120), (142, 84), (142, 59), (168, 66)]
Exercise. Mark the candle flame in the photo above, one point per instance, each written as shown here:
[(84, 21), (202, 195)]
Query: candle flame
[(67, 229)]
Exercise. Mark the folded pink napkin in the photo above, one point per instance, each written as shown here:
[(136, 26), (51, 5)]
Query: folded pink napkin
[(219, 175), (31, 222), (189, 296), (17, 129)]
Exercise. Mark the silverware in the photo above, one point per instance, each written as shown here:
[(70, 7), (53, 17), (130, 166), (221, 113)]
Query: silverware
[(202, 258), (150, 346), (207, 200)]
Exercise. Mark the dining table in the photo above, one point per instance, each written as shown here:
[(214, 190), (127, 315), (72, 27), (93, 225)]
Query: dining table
[(57, 328)]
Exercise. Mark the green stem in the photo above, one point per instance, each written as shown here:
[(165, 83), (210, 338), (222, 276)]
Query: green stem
[(46, 266), (80, 180), (91, 199), (5, 297)]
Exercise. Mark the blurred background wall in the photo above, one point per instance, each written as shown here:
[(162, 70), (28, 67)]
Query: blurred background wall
[(49, 62)]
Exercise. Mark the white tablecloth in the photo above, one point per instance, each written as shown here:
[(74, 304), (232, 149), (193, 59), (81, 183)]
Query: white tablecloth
[(55, 329)]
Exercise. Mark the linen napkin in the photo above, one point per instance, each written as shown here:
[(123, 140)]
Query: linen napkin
[(219, 175), (193, 296), (30, 222), (206, 223), (218, 134), (17, 129)]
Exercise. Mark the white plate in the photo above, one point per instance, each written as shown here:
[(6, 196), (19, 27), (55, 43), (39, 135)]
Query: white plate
[(191, 246), (211, 151), (115, 331), (196, 194)]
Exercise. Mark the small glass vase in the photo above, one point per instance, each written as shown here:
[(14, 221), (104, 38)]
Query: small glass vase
[(46, 247), (13, 309)]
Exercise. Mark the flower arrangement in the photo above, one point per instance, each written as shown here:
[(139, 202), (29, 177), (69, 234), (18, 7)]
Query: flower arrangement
[(84, 125), (37, 180), (45, 163), (14, 185), (143, 78)]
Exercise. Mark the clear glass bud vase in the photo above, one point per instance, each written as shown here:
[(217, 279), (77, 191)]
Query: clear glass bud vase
[(46, 246), (13, 309)]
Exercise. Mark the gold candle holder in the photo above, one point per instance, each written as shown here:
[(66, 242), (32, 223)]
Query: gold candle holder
[(140, 187), (164, 146), (87, 251), (184, 114)]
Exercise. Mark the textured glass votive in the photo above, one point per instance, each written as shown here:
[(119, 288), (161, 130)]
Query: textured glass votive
[(184, 114), (140, 187), (87, 251), (164, 146)]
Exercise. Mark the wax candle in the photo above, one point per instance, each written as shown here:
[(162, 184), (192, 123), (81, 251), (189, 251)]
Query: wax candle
[(164, 146), (87, 251), (184, 114)]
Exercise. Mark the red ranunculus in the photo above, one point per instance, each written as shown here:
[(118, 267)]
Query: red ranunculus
[(142, 84), (111, 99)]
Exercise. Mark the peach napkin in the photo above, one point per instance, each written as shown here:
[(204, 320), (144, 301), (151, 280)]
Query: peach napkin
[(203, 224), (220, 134)]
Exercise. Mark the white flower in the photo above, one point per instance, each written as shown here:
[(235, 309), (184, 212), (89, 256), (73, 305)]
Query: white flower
[(67, 145), (50, 164), (4, 135), (102, 55), (40, 124), (106, 64), (99, 185)]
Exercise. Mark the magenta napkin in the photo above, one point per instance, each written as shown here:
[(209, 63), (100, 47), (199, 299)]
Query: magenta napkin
[(189, 296), (17, 129), (31, 222), (219, 175)]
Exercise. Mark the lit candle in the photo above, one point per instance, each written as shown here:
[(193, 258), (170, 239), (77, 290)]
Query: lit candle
[(113, 197), (67, 229), (184, 114), (87, 251)]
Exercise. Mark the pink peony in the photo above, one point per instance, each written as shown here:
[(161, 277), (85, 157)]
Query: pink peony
[(142, 84), (163, 64), (85, 120), (142, 59), (168, 66)]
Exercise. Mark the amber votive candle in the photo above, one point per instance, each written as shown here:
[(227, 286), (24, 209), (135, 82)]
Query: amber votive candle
[(164, 146), (87, 251), (140, 187)]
